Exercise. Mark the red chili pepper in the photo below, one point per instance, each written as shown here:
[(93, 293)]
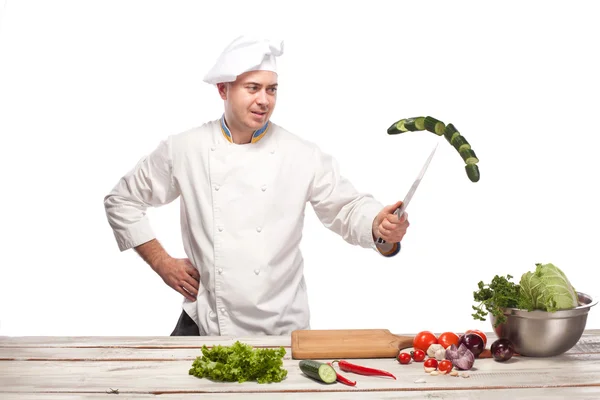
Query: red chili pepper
[(358, 369), (343, 379)]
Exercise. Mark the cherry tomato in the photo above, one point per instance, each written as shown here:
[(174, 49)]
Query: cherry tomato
[(478, 332), (445, 366), (404, 358), (423, 340), (418, 355), (430, 364), (447, 339)]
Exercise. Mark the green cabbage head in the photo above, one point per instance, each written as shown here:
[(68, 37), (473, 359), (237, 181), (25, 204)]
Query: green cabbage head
[(547, 288)]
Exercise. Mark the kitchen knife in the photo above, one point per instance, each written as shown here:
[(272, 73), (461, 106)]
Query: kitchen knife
[(400, 210)]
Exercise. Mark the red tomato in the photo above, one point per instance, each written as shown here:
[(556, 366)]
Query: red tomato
[(448, 338), (430, 364), (404, 358), (445, 366), (423, 340), (418, 355), (478, 332)]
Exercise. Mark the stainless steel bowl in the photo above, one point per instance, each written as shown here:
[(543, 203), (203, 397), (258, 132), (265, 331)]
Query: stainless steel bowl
[(544, 334)]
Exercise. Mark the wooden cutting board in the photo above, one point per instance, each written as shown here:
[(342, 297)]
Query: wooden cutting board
[(347, 343), (351, 343)]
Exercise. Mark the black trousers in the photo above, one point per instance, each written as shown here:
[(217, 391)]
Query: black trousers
[(185, 326)]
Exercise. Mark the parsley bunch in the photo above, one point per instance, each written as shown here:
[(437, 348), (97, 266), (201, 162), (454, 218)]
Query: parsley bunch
[(240, 362), (500, 293)]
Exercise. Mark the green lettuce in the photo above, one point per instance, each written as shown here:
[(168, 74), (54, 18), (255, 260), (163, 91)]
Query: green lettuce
[(547, 288), (240, 362)]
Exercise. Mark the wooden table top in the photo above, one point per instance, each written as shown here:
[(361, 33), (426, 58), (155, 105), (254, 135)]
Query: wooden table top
[(71, 368)]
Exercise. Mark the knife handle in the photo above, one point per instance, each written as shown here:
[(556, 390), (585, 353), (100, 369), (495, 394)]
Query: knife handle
[(399, 213)]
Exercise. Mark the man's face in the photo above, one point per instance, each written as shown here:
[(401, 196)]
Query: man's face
[(250, 100)]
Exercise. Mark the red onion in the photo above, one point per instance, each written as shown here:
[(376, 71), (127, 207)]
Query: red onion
[(461, 357), (502, 350), (474, 342)]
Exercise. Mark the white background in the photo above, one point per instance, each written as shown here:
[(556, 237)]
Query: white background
[(87, 88)]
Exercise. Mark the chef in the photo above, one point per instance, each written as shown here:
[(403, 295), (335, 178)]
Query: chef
[(243, 183)]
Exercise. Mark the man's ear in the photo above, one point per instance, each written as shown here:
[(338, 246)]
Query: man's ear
[(222, 87)]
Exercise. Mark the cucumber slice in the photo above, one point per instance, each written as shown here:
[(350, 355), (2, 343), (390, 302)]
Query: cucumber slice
[(397, 127), (318, 370), (420, 123), (472, 172), (449, 131), (415, 124), (434, 126), (469, 156), (458, 141)]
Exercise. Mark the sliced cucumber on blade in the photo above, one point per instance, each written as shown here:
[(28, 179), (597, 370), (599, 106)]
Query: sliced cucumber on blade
[(434, 126), (472, 172), (397, 127), (415, 124), (468, 155), (450, 133)]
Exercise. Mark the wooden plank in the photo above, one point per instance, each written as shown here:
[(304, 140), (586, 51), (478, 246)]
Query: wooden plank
[(587, 345), (147, 342), (583, 393), (171, 377), (592, 335), (98, 354)]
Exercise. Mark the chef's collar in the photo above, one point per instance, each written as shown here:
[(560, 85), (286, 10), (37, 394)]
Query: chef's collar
[(256, 136)]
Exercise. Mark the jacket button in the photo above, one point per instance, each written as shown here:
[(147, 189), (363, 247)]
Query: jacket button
[(258, 229), (220, 270), (212, 148), (212, 314), (217, 187), (263, 188), (257, 271), (220, 229)]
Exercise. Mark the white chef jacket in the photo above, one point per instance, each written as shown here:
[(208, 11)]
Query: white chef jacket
[(242, 213)]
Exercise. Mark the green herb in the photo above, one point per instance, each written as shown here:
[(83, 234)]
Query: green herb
[(500, 293), (240, 362)]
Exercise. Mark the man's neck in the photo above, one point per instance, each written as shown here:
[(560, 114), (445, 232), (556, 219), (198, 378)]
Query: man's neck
[(241, 136), (238, 136)]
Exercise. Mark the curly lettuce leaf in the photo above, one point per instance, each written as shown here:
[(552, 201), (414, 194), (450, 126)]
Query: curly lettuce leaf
[(240, 362)]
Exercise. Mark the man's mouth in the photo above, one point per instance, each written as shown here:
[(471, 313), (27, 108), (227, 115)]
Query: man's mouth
[(258, 113)]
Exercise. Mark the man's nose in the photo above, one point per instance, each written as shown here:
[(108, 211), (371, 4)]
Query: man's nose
[(262, 98)]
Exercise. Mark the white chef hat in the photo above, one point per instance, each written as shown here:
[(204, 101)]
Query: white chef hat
[(245, 54)]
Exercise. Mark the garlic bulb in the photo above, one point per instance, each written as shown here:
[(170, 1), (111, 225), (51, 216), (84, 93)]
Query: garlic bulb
[(431, 351), (440, 354)]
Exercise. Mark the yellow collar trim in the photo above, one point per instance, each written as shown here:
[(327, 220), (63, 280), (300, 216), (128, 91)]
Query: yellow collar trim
[(256, 136)]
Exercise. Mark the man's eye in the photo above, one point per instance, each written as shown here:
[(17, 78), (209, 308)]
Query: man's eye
[(273, 90), (253, 87)]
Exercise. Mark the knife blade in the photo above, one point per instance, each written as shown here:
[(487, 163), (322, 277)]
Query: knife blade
[(400, 210)]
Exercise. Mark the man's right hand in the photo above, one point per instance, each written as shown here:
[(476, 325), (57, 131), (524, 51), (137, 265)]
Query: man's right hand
[(180, 274)]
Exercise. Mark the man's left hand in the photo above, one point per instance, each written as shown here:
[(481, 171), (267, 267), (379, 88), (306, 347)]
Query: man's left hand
[(387, 226)]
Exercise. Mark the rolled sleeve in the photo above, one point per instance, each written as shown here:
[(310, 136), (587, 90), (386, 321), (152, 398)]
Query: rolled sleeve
[(339, 206), (149, 184)]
